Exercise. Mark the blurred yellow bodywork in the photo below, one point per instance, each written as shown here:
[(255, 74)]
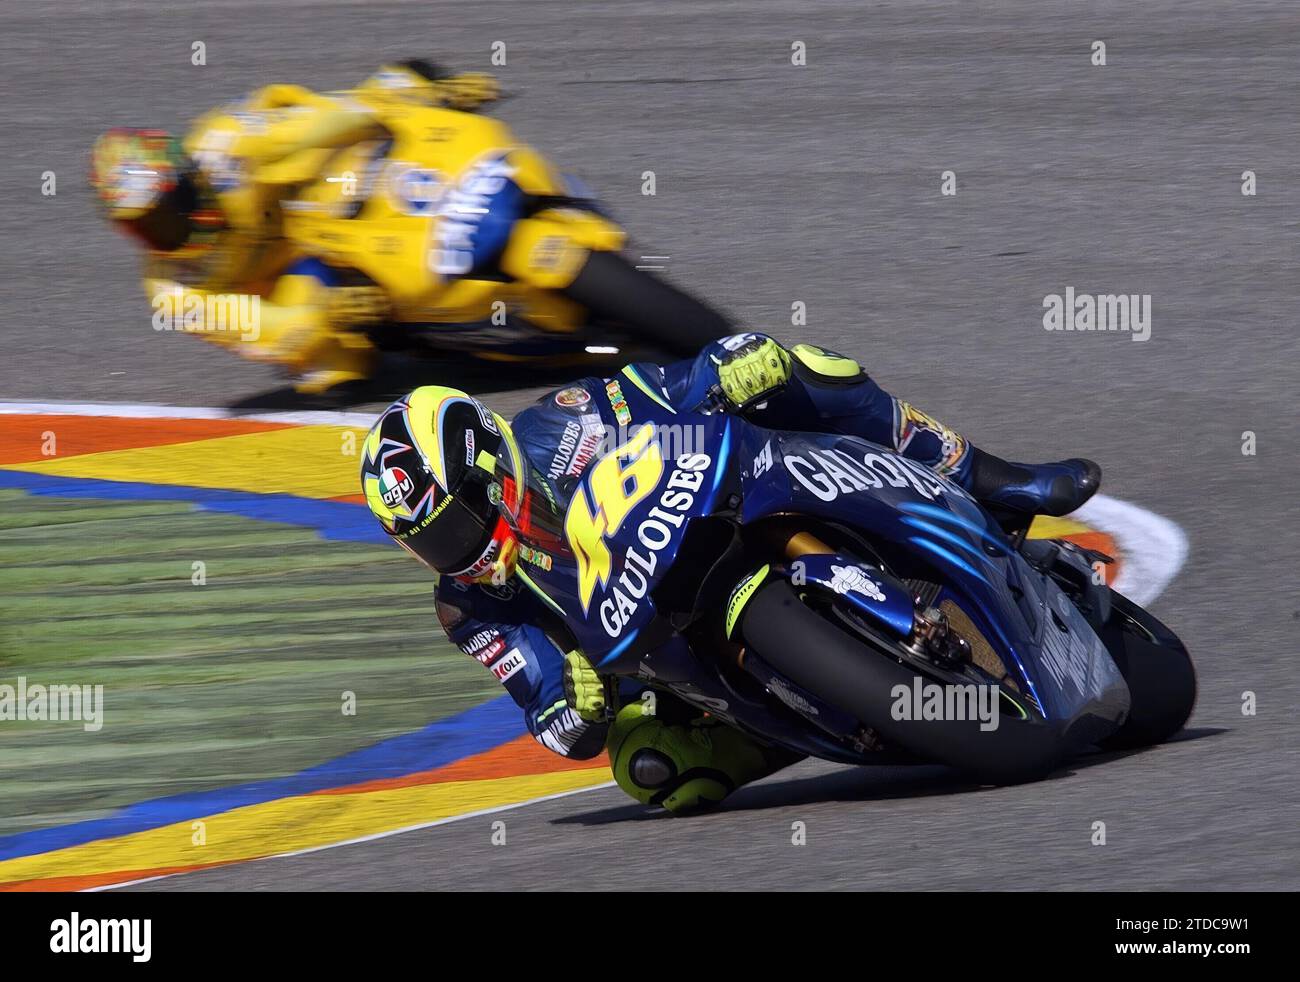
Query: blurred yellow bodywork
[(301, 175)]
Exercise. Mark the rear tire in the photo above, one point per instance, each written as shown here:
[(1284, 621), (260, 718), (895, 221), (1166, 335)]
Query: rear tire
[(858, 678), (1159, 672), (613, 291)]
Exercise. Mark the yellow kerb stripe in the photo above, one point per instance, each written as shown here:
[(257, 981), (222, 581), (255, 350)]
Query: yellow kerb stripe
[(292, 824)]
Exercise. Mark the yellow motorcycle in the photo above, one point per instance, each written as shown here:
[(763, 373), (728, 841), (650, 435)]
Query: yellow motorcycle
[(443, 235)]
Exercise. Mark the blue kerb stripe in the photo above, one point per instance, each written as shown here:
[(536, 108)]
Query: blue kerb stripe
[(334, 520)]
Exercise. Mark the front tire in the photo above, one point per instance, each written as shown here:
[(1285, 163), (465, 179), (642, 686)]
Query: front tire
[(860, 678)]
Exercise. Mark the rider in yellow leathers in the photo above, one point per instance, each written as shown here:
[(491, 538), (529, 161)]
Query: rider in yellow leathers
[(248, 221)]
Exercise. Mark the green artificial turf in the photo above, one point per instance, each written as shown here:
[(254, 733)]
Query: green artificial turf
[(239, 679)]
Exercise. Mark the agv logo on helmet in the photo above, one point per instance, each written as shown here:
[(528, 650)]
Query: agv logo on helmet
[(394, 486)]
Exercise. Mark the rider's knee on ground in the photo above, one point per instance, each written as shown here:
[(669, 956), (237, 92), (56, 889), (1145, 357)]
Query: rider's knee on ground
[(683, 767)]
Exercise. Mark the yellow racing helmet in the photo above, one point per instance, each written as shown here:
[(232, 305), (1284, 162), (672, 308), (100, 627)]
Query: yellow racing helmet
[(147, 186), (441, 471)]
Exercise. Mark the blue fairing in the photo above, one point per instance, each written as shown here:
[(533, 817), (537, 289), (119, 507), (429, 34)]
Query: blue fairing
[(1051, 653), (643, 548), (476, 217), (311, 266), (893, 499), (503, 210)]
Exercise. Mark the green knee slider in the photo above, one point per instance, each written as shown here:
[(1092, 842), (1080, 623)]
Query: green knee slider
[(683, 767), (662, 764)]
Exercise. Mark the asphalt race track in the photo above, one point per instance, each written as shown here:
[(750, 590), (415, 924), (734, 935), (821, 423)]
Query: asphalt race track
[(821, 184)]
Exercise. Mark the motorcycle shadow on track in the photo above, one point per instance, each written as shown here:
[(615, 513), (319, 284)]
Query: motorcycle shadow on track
[(864, 784)]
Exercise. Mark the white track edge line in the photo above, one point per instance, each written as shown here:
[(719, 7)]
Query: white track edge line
[(1153, 548), (144, 410)]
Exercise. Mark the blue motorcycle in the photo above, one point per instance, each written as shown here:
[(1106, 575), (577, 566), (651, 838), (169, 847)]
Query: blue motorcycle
[(831, 597)]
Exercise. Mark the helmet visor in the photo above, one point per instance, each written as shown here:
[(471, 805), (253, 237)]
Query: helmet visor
[(457, 534), (166, 226)]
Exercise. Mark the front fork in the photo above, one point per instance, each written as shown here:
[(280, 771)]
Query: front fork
[(1077, 570), (920, 627)]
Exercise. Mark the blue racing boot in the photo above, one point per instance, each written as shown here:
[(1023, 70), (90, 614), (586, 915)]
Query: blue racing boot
[(815, 389), (1033, 489)]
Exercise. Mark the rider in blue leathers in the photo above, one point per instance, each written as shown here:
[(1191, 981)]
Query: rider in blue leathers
[(681, 763)]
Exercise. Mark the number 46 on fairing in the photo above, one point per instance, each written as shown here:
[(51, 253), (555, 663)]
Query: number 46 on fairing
[(616, 488)]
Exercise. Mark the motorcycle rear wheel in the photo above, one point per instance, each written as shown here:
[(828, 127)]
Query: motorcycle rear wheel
[(615, 292), (1159, 672)]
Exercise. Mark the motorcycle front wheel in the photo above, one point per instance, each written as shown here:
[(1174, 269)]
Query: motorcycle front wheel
[(860, 677)]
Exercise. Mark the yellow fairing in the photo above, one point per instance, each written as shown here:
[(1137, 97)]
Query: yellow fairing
[(300, 174), (289, 326), (547, 250), (392, 246)]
